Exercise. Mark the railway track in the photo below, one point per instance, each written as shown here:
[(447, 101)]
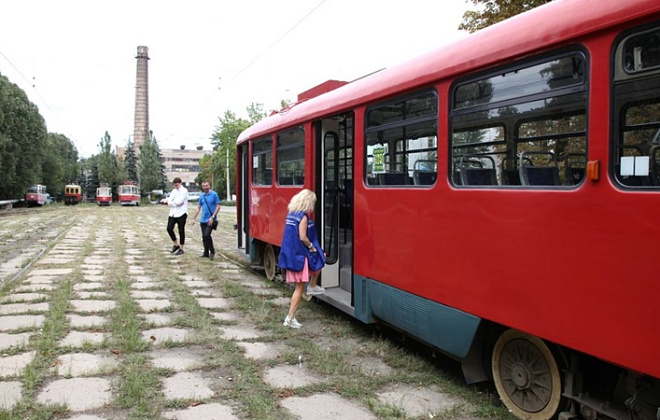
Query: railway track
[(23, 239)]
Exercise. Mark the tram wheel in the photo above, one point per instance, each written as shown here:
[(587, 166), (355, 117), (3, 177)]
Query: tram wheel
[(269, 262), (526, 376)]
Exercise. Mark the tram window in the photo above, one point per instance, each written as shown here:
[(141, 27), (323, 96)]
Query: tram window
[(642, 52), (291, 157), (637, 153), (635, 159), (399, 134), (262, 161), (523, 126), (520, 81)]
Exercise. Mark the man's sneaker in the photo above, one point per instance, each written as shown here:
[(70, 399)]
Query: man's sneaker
[(179, 252), (203, 256), (211, 255), (291, 323), (174, 249), (315, 290)]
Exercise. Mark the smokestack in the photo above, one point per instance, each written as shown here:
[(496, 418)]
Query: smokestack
[(141, 123)]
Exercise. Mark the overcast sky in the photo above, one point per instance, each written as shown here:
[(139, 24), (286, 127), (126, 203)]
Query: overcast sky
[(76, 59)]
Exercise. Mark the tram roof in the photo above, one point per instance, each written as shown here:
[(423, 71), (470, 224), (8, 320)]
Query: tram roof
[(540, 28)]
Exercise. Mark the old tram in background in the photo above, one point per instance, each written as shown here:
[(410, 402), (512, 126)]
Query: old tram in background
[(36, 195), (104, 195), (128, 194), (72, 194)]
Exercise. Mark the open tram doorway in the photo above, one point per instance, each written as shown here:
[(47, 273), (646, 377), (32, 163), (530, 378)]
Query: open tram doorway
[(336, 205), (243, 204)]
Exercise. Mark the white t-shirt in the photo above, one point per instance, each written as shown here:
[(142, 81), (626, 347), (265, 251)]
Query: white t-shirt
[(178, 201)]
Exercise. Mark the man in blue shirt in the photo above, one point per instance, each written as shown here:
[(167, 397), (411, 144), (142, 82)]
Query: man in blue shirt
[(209, 205)]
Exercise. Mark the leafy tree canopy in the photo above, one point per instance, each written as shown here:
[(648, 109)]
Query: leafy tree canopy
[(214, 167), (130, 162), (22, 141), (105, 160), (492, 11), (60, 166), (150, 168)]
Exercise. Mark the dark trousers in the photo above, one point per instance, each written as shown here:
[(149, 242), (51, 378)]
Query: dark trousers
[(181, 222), (207, 239)]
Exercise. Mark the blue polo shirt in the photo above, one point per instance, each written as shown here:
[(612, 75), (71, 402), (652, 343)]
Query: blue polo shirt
[(208, 202)]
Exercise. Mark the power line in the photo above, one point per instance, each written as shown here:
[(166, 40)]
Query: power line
[(15, 68), (271, 46), (32, 84)]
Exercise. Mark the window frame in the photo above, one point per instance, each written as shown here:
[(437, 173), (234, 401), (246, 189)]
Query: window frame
[(432, 118), (282, 150), (255, 153), (509, 160), (621, 102)]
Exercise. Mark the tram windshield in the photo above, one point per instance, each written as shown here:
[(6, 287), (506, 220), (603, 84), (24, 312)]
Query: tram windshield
[(38, 189)]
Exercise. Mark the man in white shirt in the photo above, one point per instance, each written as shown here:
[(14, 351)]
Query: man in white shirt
[(178, 202)]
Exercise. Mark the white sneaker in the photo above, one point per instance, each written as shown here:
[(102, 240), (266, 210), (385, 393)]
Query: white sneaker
[(315, 290), (291, 323)]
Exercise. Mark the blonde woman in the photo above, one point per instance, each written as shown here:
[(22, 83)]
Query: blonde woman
[(301, 255)]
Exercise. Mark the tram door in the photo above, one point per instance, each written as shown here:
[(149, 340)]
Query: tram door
[(242, 225), (337, 207)]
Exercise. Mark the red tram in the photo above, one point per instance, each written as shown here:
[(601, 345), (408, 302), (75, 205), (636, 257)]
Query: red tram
[(72, 194), (128, 194), (496, 198), (36, 195), (104, 195)]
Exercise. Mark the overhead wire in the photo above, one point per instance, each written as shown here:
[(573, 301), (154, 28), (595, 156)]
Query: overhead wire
[(33, 85), (271, 46)]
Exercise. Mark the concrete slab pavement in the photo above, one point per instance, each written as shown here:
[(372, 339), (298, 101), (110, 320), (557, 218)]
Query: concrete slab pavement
[(78, 394)]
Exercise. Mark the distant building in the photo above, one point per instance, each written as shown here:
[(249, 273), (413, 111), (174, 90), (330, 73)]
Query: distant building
[(180, 162), (183, 163)]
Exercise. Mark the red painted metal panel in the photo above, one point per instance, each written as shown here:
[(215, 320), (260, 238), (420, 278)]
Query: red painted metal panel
[(576, 267)]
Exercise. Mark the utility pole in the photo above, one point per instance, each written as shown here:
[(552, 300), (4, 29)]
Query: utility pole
[(228, 196), (215, 148)]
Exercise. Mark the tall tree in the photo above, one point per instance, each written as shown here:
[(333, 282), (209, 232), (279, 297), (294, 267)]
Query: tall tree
[(89, 175), (52, 169), (122, 175), (61, 163), (163, 176), (150, 169), (105, 161), (224, 148), (256, 111), (492, 11), (130, 161), (22, 141)]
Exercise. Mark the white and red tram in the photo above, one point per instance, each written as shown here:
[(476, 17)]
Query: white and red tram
[(104, 195), (36, 195), (128, 195)]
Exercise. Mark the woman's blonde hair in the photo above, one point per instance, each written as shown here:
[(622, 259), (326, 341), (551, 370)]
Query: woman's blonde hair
[(305, 200)]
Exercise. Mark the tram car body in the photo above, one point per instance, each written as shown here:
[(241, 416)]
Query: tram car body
[(496, 199), (36, 195), (128, 195), (104, 196), (72, 194)]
